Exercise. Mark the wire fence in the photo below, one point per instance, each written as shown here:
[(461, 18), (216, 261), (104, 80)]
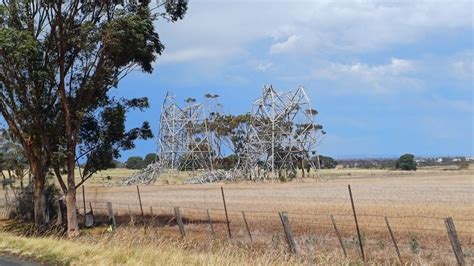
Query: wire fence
[(246, 219), (208, 213)]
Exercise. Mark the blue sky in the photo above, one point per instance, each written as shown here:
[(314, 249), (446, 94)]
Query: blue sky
[(387, 77)]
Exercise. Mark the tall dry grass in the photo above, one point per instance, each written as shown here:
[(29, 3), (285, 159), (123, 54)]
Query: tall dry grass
[(149, 246)]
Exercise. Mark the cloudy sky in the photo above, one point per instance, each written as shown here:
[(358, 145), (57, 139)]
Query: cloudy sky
[(387, 77)]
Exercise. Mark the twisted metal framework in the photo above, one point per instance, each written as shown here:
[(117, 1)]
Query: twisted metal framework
[(183, 139), (278, 140), (282, 134)]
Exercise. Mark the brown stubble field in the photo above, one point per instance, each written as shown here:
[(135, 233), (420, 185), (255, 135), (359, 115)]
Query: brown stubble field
[(414, 202)]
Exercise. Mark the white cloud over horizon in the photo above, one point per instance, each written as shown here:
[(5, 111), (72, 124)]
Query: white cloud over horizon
[(308, 27), (284, 46)]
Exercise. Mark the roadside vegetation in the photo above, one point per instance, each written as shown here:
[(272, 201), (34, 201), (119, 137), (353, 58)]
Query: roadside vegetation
[(132, 247)]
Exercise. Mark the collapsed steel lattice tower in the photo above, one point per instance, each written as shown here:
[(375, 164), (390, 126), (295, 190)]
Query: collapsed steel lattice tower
[(282, 134), (183, 138), (276, 139)]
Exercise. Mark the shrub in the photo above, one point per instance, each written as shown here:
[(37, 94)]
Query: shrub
[(406, 162), (135, 162), (325, 161), (150, 158), (25, 205), (413, 243)]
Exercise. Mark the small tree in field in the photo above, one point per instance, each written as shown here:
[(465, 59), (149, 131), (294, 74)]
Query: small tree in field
[(135, 162), (150, 158), (406, 162)]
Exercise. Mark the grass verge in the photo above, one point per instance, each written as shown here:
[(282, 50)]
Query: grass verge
[(118, 250)]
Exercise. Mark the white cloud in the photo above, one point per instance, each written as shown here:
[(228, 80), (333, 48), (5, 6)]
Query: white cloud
[(379, 79), (288, 45), (263, 67), (196, 54), (313, 26), (463, 68)]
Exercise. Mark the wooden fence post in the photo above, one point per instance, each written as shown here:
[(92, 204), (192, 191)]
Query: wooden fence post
[(140, 201), (338, 236), (152, 216), (393, 240), (210, 224), (132, 220), (247, 226), (111, 215), (454, 239), (84, 200), (288, 232), (179, 220), (357, 224), (226, 215)]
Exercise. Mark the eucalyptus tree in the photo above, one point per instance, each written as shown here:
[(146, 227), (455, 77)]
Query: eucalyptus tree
[(58, 62)]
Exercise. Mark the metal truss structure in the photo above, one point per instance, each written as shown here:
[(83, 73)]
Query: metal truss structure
[(282, 134), (183, 138), (279, 139)]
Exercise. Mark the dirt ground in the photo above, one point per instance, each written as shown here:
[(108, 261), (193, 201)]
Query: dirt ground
[(434, 193)]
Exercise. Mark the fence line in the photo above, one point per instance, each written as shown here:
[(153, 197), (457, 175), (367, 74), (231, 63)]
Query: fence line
[(326, 214), (296, 225)]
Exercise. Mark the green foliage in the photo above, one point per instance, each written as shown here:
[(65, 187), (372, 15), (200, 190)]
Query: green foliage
[(326, 162), (24, 206), (59, 60), (12, 160), (150, 158), (103, 136), (381, 244), (414, 245), (232, 126), (406, 162), (135, 162), (131, 39), (117, 164)]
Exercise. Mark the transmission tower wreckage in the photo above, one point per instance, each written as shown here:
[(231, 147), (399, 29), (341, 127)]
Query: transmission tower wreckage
[(273, 141)]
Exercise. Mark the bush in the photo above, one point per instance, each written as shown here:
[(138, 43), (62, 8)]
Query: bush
[(117, 164), (414, 245), (25, 206), (325, 161), (406, 162), (135, 162), (150, 158)]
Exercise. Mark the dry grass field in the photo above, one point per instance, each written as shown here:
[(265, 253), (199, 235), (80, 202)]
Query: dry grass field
[(415, 203)]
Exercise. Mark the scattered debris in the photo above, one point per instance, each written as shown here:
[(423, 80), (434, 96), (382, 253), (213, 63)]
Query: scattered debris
[(146, 176), (214, 176)]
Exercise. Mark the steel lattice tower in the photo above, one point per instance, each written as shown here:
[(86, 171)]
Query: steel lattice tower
[(282, 133), (183, 138)]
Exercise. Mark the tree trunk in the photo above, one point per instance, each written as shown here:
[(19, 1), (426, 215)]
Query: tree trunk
[(72, 225), (39, 199)]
